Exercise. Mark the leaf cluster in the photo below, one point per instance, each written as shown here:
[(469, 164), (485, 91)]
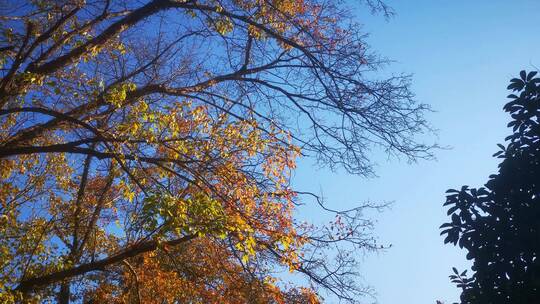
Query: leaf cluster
[(498, 224)]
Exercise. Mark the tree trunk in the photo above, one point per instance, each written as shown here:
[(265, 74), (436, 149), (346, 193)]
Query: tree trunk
[(64, 294)]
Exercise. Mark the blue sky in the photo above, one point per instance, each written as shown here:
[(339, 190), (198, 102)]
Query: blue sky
[(462, 55)]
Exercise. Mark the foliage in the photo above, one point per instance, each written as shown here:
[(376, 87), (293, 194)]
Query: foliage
[(498, 224), (146, 149)]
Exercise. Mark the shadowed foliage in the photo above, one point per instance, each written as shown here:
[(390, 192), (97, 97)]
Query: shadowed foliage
[(499, 224)]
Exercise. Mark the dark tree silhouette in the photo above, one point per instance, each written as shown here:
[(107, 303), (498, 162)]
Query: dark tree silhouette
[(499, 224)]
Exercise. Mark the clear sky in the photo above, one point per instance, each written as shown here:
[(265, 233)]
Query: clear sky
[(462, 54)]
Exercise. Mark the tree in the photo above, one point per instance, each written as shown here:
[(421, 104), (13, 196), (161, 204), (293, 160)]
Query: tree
[(499, 224), (146, 149)]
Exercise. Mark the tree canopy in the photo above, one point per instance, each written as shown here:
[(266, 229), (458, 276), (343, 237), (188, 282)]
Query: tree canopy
[(499, 224), (146, 148)]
